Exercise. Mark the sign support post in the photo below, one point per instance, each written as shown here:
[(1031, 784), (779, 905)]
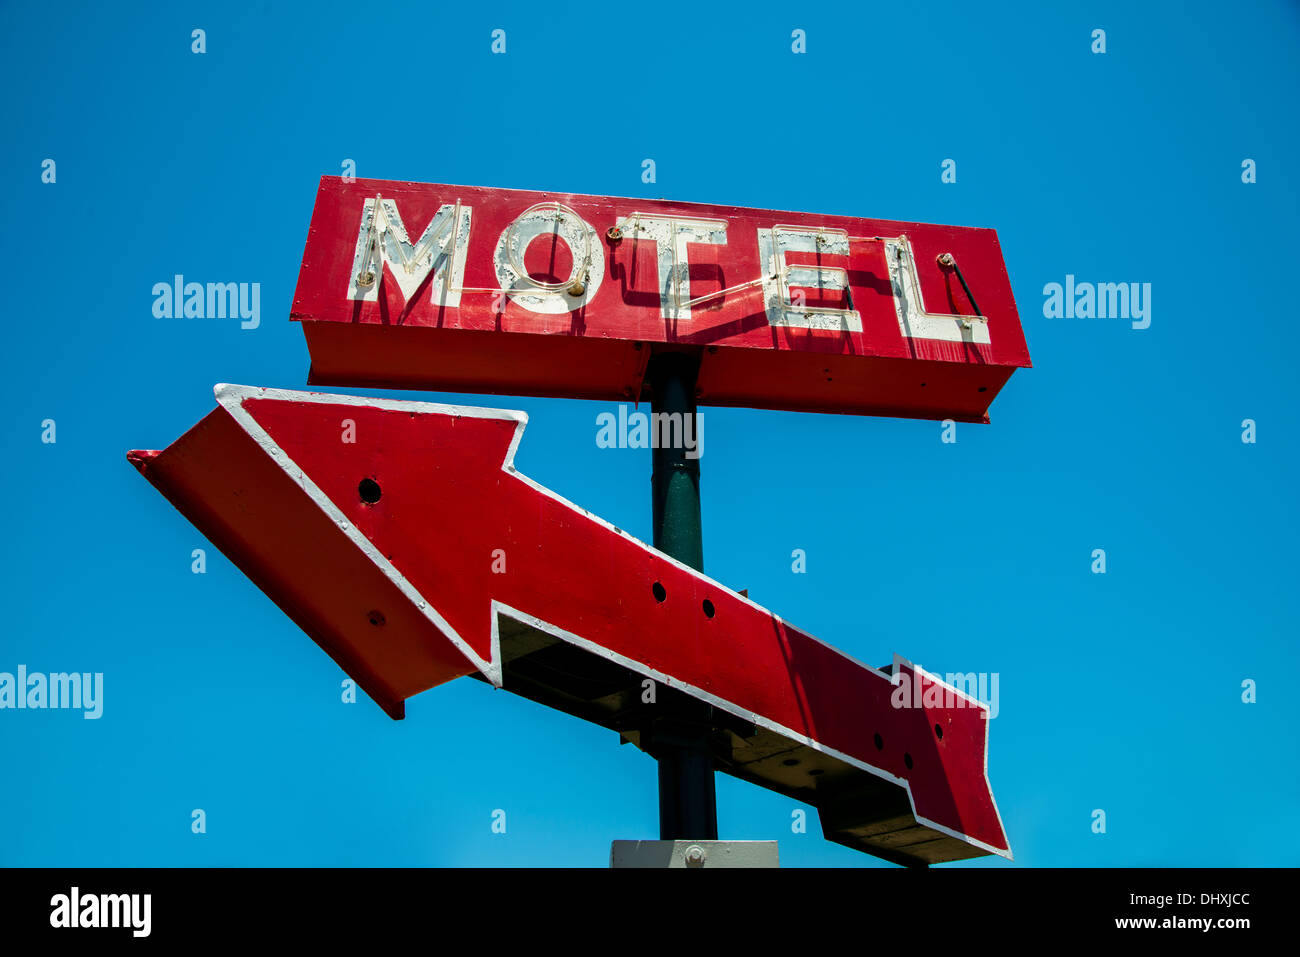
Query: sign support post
[(687, 799)]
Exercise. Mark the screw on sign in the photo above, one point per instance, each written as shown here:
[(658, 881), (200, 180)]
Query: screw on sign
[(371, 546)]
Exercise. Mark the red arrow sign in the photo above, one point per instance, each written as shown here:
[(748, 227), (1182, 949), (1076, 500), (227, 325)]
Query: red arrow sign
[(470, 289), (401, 538)]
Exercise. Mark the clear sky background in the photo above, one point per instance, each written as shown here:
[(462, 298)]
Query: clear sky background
[(1120, 692)]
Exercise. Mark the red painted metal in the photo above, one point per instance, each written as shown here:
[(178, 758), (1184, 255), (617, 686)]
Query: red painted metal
[(489, 343), (399, 536)]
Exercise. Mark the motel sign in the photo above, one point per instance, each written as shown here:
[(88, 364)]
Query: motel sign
[(383, 548), (465, 289)]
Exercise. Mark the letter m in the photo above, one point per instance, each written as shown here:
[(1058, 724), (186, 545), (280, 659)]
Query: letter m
[(222, 301), (667, 430), (1116, 294), (120, 909), (967, 684), (385, 247), (65, 690)]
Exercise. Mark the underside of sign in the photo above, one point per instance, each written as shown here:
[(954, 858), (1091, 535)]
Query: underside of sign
[(399, 536), (468, 289)]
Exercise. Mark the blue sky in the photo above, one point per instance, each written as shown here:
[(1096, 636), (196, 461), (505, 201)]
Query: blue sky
[(1120, 692)]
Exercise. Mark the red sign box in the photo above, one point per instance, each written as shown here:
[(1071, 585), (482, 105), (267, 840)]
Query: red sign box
[(470, 289)]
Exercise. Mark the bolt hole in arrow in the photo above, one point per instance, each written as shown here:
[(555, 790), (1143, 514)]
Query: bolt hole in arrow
[(265, 478)]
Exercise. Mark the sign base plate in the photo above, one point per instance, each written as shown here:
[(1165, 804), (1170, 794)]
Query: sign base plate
[(692, 854)]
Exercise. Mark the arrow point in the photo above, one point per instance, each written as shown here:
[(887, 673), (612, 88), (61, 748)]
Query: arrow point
[(141, 458)]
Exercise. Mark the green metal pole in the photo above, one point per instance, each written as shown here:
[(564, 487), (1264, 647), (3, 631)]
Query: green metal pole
[(681, 734)]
